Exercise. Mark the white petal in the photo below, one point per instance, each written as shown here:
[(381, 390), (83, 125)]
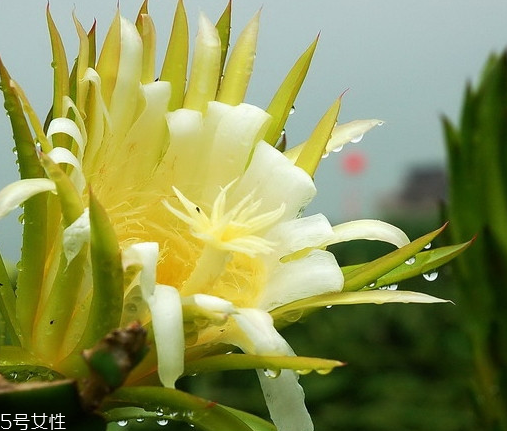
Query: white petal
[(76, 235), (298, 234), (270, 167), (167, 321), (286, 401), (16, 193), (236, 133), (63, 155), (369, 229), (67, 127), (284, 396), (347, 132), (315, 274), (146, 255)]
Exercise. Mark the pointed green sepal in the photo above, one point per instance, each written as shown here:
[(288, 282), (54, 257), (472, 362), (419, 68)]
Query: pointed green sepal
[(223, 27), (368, 273), (314, 148), (240, 65), (284, 99), (107, 300), (251, 362), (60, 77), (146, 29), (174, 68), (8, 306), (33, 252), (174, 405)]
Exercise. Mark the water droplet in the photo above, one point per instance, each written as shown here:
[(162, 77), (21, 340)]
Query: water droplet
[(427, 246), (140, 420), (325, 155), (410, 261), (431, 276), (329, 306), (393, 286), (337, 149), (357, 139), (304, 372), (292, 110), (380, 123), (15, 151), (293, 316), (324, 371), (123, 423), (21, 218), (372, 284), (282, 132), (272, 374), (162, 422), (159, 411), (13, 375)]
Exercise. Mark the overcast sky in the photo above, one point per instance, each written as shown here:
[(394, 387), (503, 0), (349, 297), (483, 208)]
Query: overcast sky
[(403, 61)]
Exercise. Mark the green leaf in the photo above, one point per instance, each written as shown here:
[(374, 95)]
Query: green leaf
[(247, 362), (107, 300), (283, 101), (175, 405), (174, 68)]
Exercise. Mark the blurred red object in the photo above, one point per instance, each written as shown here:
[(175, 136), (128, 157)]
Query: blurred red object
[(354, 163)]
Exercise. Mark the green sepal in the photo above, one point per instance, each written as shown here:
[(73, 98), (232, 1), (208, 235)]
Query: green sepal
[(368, 273), (174, 68), (107, 273), (174, 405), (61, 87), (254, 422), (33, 251), (314, 148), (236, 361), (146, 29), (425, 262), (8, 306), (283, 101), (223, 27)]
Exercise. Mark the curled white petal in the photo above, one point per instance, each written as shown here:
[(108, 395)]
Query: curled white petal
[(375, 230), (167, 321), (76, 235), (16, 193), (146, 255), (63, 155), (68, 127), (347, 132)]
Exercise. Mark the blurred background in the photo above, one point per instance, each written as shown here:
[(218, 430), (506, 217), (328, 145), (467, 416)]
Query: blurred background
[(405, 62)]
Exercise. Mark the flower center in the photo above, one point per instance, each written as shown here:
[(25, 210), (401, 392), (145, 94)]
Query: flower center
[(218, 254)]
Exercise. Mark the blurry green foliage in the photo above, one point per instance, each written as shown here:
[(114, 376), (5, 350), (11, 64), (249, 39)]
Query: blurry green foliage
[(477, 158)]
